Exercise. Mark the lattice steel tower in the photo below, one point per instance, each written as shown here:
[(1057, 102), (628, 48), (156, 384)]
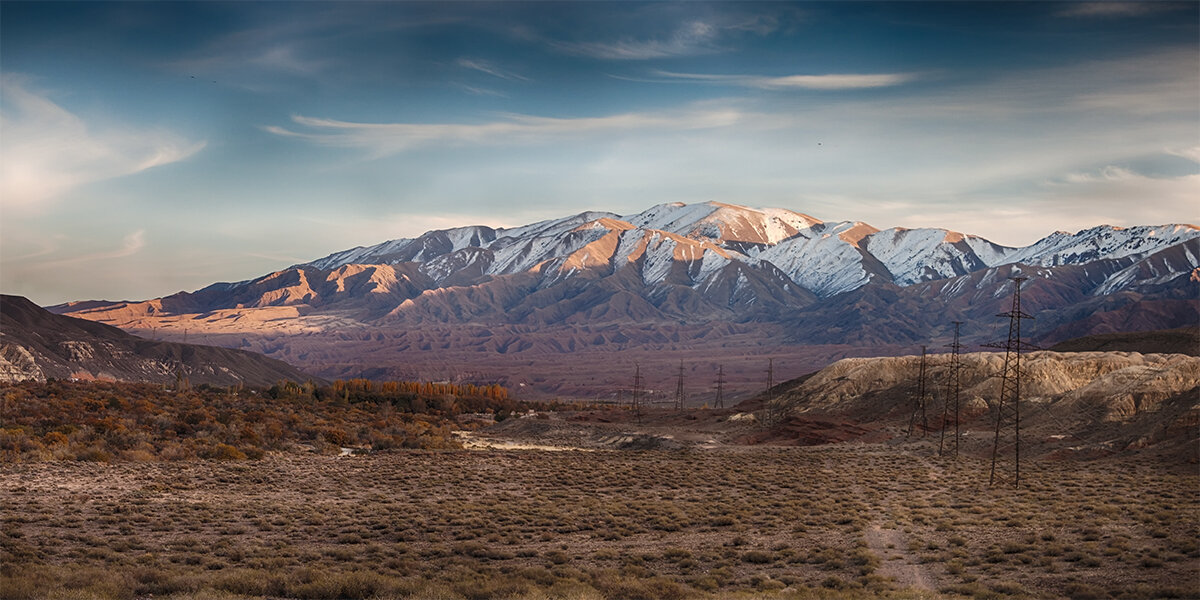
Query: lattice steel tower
[(679, 389), (1006, 449), (637, 390), (919, 406), (772, 407), (720, 400), (953, 389), (770, 375)]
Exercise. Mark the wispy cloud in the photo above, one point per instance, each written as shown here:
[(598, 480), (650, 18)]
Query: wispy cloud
[(1191, 153), (1128, 196), (47, 150), (484, 66), (1109, 9), (382, 139), (833, 81), (131, 244), (693, 38), (480, 91)]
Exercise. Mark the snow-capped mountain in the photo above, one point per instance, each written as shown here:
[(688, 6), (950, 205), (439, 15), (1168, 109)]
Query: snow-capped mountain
[(823, 258), (711, 278)]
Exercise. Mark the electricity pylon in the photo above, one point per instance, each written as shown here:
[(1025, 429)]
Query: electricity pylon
[(637, 391), (953, 389), (1007, 444), (919, 405), (720, 400), (679, 389)]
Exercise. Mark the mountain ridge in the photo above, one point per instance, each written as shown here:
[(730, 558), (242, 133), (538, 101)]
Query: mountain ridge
[(36, 344), (906, 255), (796, 282)]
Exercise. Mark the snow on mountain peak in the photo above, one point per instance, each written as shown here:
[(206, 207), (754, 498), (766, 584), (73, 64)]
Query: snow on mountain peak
[(724, 223), (1107, 241), (680, 241)]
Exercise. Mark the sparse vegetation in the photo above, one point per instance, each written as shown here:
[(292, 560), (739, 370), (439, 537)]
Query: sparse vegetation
[(107, 422), (225, 494), (463, 525)]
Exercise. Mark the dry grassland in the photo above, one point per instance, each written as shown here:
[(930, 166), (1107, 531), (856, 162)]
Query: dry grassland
[(831, 522)]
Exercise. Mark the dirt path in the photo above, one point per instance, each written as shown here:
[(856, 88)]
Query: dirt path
[(896, 561), (890, 544)]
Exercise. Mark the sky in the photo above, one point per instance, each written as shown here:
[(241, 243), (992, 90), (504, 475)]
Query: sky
[(149, 148)]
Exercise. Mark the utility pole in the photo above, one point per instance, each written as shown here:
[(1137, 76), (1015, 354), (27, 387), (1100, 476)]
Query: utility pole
[(720, 401), (1008, 409), (953, 388), (679, 389), (919, 406)]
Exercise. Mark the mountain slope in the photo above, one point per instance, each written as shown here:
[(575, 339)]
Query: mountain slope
[(36, 344)]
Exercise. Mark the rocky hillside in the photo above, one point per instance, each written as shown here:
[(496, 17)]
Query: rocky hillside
[(1085, 401), (36, 344)]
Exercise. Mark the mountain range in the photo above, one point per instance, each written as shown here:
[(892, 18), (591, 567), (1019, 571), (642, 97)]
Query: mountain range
[(581, 298)]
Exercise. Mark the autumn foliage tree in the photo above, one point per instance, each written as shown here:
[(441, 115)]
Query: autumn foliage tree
[(106, 421)]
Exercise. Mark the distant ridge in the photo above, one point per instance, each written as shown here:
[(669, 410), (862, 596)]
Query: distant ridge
[(1184, 340), (36, 344)]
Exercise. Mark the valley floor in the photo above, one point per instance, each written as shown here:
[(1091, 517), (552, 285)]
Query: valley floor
[(840, 521)]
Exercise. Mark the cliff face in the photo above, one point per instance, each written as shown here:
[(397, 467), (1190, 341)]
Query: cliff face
[(36, 344)]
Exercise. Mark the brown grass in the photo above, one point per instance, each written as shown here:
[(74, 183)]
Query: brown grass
[(757, 522)]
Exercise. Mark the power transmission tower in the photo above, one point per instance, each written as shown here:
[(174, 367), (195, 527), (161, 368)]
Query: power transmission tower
[(953, 388), (919, 405), (1007, 443), (773, 410), (637, 391), (679, 389), (720, 401), (770, 375)]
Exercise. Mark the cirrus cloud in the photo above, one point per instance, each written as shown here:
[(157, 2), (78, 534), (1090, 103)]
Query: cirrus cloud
[(47, 150), (383, 139), (833, 81)]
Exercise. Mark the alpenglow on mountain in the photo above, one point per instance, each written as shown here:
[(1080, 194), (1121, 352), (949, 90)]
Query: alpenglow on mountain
[(823, 258), (705, 280)]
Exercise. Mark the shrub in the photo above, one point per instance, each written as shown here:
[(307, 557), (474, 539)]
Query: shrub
[(757, 557), (223, 452), (1083, 591)]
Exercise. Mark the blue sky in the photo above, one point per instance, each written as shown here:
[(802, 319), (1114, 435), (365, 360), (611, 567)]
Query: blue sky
[(147, 148)]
